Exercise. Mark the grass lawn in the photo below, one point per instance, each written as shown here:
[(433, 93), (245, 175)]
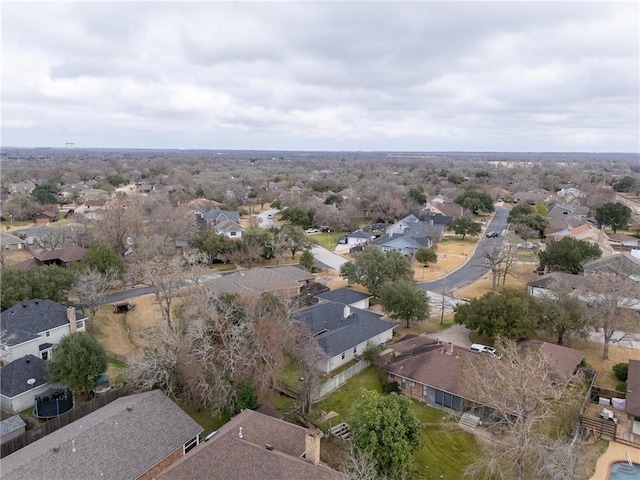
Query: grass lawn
[(204, 419), (327, 240), (341, 400), (446, 453)]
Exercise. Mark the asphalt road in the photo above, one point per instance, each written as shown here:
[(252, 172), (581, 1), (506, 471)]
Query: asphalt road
[(476, 266)]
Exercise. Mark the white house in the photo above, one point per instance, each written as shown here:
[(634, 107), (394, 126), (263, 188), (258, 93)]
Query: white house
[(357, 238), (21, 382), (34, 327), (346, 296), (343, 332)]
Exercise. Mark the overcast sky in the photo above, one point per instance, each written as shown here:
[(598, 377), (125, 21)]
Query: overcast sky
[(414, 76)]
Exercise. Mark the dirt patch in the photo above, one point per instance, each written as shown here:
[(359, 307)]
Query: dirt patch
[(452, 253), (523, 274)]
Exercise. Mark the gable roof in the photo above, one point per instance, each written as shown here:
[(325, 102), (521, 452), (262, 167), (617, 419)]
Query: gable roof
[(343, 296), (228, 226), (563, 278), (261, 280), (8, 239), (14, 376), (119, 441), (451, 209), (360, 234), (229, 456), (336, 334), (565, 359), (25, 320), (620, 264), (69, 254), (633, 388), (217, 214)]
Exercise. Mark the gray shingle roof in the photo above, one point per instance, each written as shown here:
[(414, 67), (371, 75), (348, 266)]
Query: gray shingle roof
[(119, 441), (32, 317), (261, 280), (341, 334), (219, 214), (11, 424), (14, 376), (229, 457), (344, 296), (360, 234)]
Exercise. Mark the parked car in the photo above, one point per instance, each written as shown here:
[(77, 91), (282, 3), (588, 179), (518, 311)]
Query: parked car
[(478, 347), (311, 230), (526, 245), (493, 234)]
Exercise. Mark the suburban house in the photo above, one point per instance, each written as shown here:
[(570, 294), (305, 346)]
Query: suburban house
[(223, 222), (543, 285), (11, 242), (133, 437), (33, 328), (46, 216), (285, 281), (452, 210), (532, 197), (21, 382), (254, 446), (21, 187), (343, 332), (62, 257), (430, 371), (621, 264), (558, 211), (356, 238), (586, 233), (620, 240), (408, 235), (346, 296)]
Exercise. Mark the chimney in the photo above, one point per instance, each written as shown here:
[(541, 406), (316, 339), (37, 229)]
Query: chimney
[(312, 446), (346, 312), (71, 317)]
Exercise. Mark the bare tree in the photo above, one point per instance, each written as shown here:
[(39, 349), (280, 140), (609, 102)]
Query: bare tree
[(164, 275), (613, 301), (91, 286), (535, 401), (500, 262), (309, 356)]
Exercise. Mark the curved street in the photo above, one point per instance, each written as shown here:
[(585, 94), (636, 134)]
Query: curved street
[(476, 266)]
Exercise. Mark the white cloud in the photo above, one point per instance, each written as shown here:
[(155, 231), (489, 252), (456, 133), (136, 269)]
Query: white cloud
[(333, 75)]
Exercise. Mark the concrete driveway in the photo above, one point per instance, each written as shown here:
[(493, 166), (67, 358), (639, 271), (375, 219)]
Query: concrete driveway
[(330, 259), (456, 334)]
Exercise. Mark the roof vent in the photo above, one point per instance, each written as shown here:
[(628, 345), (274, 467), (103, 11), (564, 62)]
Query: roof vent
[(129, 408), (24, 305), (240, 433), (31, 381), (55, 449), (268, 447), (27, 359)]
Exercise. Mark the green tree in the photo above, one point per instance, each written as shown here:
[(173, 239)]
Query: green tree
[(426, 256), (524, 218), (294, 239), (403, 300), (333, 199), (475, 201), (385, 428), (625, 184), (418, 196), (299, 217), (614, 214), (510, 313), (568, 255), (564, 315), (47, 282), (212, 244), (77, 360), (103, 258), (307, 259), (44, 194), (465, 226), (372, 268)]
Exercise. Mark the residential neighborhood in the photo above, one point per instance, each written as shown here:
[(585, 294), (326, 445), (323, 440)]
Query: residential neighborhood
[(222, 331)]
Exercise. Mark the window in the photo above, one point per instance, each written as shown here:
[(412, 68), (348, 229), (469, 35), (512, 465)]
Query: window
[(47, 334), (404, 382), (424, 390), (44, 355), (447, 400), (413, 384), (190, 444), (233, 234), (79, 324)]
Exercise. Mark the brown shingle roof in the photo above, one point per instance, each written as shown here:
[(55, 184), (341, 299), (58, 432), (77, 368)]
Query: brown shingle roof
[(633, 388), (69, 254), (566, 359), (230, 456)]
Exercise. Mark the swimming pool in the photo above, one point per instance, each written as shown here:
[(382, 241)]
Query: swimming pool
[(624, 471)]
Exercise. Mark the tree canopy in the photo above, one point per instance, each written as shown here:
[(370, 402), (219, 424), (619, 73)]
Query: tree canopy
[(564, 315), (307, 259), (426, 256), (372, 268), (525, 218), (510, 313), (568, 255), (465, 226), (614, 214), (298, 216), (77, 360), (47, 282), (475, 201), (403, 300), (212, 243), (385, 428), (103, 258)]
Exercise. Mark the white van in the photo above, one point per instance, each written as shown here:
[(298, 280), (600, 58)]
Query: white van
[(478, 347)]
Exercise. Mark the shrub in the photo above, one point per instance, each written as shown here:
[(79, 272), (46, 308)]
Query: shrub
[(621, 387), (621, 370)]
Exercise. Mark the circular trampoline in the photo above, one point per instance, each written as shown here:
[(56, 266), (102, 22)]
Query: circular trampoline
[(53, 403)]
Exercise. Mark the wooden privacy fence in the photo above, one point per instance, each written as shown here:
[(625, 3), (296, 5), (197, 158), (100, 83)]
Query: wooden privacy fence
[(79, 411), (340, 379)]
